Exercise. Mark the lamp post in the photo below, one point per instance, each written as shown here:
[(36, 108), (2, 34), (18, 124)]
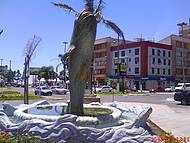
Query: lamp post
[(1, 70), (64, 64), (118, 74), (182, 24)]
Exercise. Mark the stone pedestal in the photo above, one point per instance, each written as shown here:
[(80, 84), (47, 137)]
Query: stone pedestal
[(88, 97)]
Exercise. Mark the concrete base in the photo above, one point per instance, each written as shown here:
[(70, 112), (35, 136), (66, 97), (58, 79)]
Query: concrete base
[(91, 98)]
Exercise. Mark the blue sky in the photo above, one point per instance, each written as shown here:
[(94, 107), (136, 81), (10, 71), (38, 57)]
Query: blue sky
[(21, 19)]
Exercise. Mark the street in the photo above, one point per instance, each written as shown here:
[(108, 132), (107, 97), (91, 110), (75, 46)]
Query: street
[(162, 98)]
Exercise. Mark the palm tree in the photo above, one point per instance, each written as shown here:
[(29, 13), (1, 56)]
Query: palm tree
[(81, 48)]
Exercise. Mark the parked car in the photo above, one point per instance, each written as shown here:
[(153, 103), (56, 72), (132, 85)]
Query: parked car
[(43, 90), (59, 90), (182, 86), (183, 96), (158, 89), (103, 89), (170, 89)]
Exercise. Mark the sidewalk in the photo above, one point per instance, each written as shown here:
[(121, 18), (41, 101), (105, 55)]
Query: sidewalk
[(168, 119)]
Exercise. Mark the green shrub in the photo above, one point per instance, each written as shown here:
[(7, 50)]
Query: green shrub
[(7, 138), (167, 137), (13, 95), (9, 92)]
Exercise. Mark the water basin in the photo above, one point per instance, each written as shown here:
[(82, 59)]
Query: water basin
[(47, 110)]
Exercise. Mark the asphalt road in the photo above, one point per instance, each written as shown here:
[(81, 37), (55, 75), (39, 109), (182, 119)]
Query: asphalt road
[(152, 98)]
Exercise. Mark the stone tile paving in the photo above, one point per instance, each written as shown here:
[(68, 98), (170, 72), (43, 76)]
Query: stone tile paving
[(169, 119)]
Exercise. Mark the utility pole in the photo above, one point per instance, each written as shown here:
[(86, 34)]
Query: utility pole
[(10, 65), (1, 69), (182, 24), (64, 64)]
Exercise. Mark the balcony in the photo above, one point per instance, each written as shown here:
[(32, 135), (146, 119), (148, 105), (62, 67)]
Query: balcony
[(100, 67), (100, 75), (100, 50)]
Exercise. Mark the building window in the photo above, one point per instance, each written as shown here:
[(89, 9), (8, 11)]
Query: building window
[(129, 51), (129, 69), (122, 53), (122, 60), (179, 44), (153, 52), (136, 51), (158, 71), (169, 72), (153, 60), (164, 53), (129, 59), (179, 63), (159, 61), (115, 62), (158, 52), (136, 70), (169, 54), (164, 61), (101, 71), (136, 60), (152, 70), (169, 62), (116, 54), (164, 71), (116, 71), (179, 53)]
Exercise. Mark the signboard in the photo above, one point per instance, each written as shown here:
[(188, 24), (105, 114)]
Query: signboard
[(122, 69), (34, 70)]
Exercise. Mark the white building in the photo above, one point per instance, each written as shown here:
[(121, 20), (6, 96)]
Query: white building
[(149, 64)]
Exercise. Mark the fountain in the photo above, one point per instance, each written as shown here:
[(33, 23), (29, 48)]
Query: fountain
[(122, 125)]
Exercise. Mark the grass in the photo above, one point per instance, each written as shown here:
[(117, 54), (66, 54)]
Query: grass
[(94, 112), (135, 92), (120, 93), (14, 95), (5, 88)]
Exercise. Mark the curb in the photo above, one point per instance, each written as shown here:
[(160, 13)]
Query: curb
[(155, 128)]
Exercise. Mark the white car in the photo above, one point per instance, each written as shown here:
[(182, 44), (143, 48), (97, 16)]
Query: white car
[(43, 90), (103, 89), (182, 86), (170, 89), (59, 90)]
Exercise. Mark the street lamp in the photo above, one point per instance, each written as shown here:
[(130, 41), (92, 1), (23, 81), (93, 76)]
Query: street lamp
[(64, 64), (118, 75), (182, 24)]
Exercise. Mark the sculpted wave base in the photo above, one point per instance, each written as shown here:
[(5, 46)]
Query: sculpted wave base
[(67, 128)]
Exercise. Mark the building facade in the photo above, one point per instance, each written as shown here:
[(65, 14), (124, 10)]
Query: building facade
[(181, 56), (148, 64), (102, 64)]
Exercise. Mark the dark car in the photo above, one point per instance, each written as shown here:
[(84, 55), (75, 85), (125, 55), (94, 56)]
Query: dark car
[(158, 89), (183, 96)]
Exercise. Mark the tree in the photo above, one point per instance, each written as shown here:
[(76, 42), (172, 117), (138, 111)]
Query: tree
[(29, 51), (18, 76), (47, 73), (82, 47), (9, 75)]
